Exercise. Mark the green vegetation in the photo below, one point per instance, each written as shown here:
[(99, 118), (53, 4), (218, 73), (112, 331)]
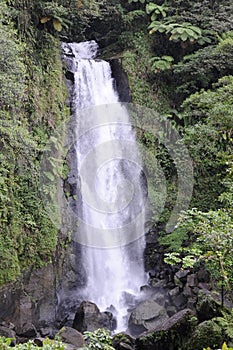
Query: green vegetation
[(32, 103), (48, 344), (98, 339), (181, 66), (224, 347)]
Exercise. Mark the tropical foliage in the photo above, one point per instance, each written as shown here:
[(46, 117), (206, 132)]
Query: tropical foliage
[(6, 343)]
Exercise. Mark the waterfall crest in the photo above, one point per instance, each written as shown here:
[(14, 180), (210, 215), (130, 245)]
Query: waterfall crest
[(111, 219)]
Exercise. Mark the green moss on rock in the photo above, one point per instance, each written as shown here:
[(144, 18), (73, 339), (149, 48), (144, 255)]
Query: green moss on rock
[(207, 334)]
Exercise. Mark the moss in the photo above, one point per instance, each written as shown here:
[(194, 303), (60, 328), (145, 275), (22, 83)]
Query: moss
[(207, 334)]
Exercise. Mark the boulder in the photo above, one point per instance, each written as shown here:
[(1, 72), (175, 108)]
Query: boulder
[(173, 334), (71, 336), (89, 318), (146, 316), (179, 301), (182, 275), (207, 335)]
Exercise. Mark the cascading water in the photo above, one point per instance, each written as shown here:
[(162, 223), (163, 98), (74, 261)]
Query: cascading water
[(111, 186)]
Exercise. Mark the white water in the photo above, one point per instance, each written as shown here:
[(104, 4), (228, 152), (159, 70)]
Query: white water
[(110, 171)]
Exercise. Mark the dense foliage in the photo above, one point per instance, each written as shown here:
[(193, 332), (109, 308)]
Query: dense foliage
[(6, 343), (30, 70), (98, 339), (184, 71)]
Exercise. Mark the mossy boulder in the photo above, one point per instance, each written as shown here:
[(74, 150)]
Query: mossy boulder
[(89, 318), (207, 334), (71, 336), (173, 334), (122, 341)]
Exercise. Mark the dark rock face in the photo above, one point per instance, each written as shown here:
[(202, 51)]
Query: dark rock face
[(89, 318), (122, 83), (31, 306)]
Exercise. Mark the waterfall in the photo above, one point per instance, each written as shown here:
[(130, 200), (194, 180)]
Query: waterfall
[(111, 219)]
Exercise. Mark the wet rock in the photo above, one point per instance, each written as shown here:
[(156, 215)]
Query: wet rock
[(146, 316), (172, 334), (89, 318), (121, 78), (129, 299), (71, 336)]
